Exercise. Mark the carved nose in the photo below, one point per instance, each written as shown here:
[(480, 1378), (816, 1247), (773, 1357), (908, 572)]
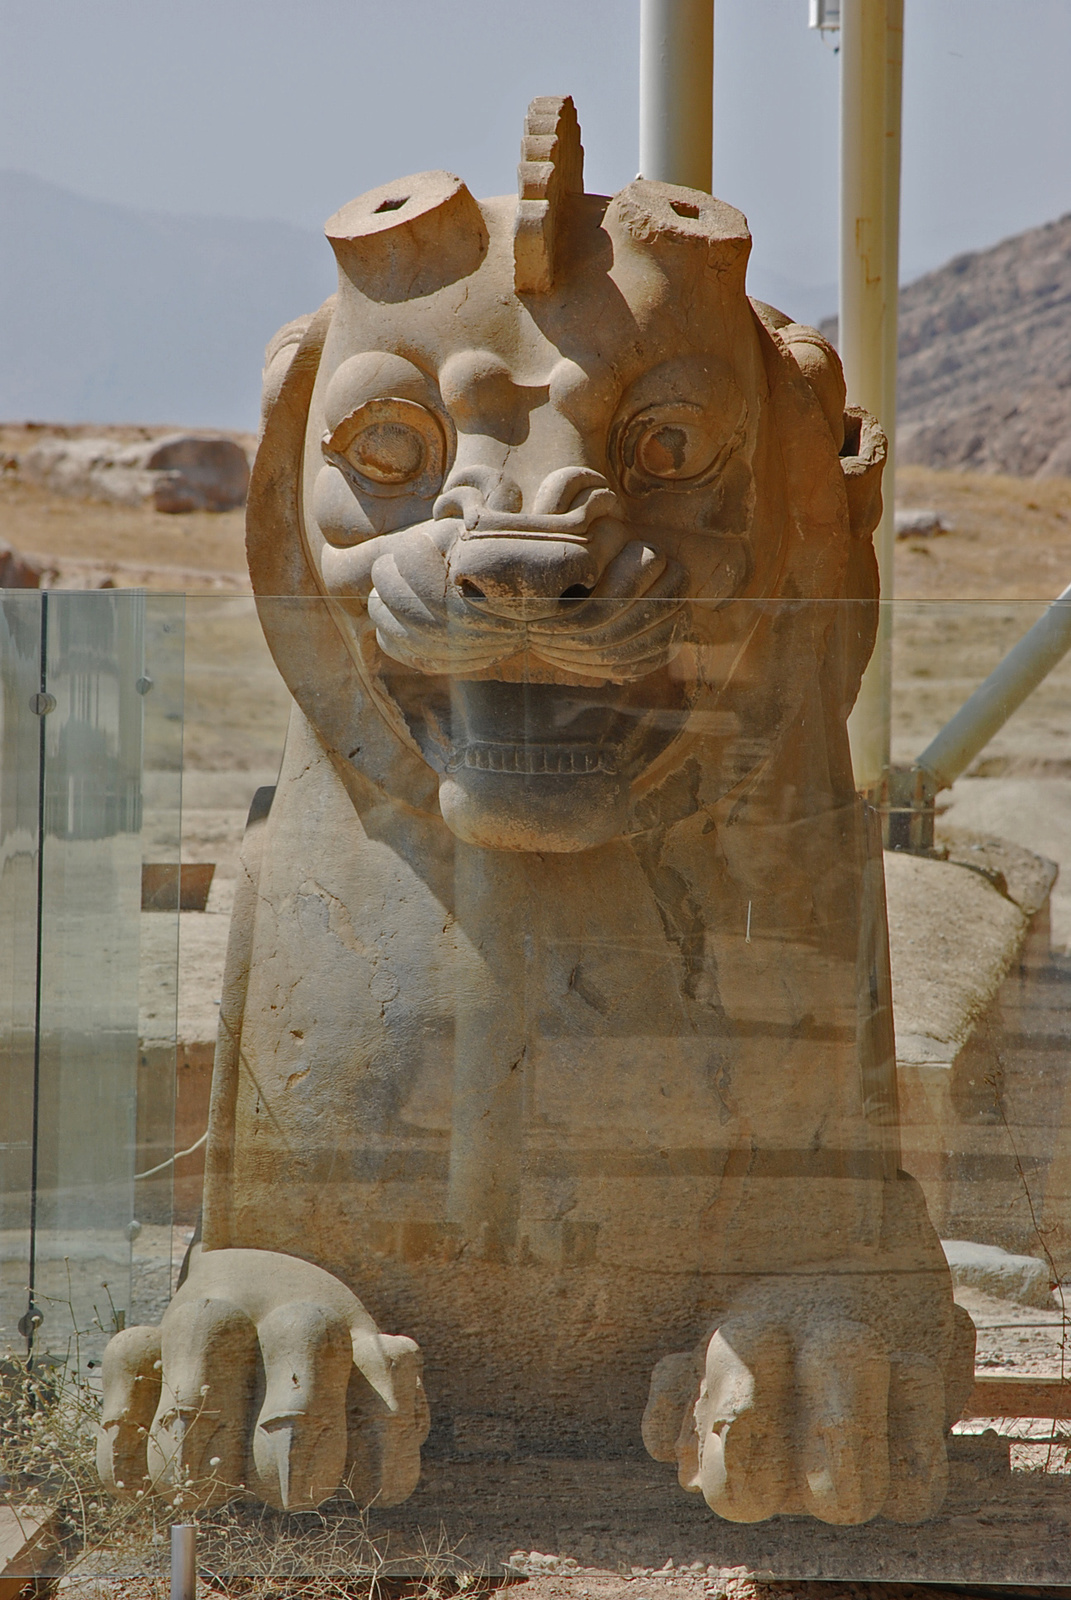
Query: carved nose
[(526, 563), (526, 577)]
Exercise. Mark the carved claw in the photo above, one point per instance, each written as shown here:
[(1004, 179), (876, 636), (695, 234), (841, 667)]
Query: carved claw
[(299, 1443), (741, 1421), (131, 1374), (793, 1410), (341, 1403), (196, 1446)]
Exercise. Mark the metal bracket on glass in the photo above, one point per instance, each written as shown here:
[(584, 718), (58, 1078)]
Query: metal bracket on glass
[(905, 800), (30, 1321)]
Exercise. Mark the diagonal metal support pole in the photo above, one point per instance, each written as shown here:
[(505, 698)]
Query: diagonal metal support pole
[(910, 792)]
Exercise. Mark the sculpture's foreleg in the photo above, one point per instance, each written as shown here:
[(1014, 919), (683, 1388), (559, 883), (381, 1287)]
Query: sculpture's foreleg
[(266, 1375)]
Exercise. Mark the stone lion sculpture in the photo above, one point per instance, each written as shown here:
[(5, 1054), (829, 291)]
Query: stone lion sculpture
[(556, 1021)]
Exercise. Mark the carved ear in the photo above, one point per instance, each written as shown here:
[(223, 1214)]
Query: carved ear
[(299, 624), (820, 365), (551, 166), (409, 238), (282, 349), (863, 458), (860, 442), (855, 626), (273, 535)]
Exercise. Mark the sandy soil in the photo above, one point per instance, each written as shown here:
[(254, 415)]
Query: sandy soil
[(65, 531), (1010, 538)]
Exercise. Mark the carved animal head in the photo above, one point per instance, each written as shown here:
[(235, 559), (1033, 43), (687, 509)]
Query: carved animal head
[(542, 466)]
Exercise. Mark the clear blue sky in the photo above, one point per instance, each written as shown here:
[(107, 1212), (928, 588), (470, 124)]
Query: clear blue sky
[(286, 108)]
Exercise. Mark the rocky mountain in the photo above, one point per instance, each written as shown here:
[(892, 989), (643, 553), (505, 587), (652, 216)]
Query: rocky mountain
[(985, 359), (109, 314)]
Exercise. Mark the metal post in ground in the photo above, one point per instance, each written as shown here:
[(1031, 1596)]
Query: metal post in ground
[(183, 1561)]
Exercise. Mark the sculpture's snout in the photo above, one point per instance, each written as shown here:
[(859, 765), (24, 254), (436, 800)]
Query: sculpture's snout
[(524, 576), (527, 563)]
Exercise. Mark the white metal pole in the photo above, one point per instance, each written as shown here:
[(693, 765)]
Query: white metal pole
[(871, 52), (677, 91)]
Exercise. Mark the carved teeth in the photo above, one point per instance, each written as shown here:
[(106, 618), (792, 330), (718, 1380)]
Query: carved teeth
[(530, 759)]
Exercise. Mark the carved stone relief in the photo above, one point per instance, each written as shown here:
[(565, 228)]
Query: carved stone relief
[(556, 1023)]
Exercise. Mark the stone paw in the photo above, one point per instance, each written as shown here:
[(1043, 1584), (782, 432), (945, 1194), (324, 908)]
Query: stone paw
[(797, 1408), (266, 1377)]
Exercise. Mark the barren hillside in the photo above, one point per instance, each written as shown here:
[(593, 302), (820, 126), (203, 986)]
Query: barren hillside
[(985, 359)]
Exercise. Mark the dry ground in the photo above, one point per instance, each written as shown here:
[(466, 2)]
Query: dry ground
[(566, 1582), (113, 538), (964, 598), (1010, 538)]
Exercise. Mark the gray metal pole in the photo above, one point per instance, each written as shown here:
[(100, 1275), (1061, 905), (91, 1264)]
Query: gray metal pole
[(1003, 692), (183, 1561), (677, 91)]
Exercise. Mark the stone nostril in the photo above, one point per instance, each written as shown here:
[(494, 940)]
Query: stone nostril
[(470, 590), (576, 591)]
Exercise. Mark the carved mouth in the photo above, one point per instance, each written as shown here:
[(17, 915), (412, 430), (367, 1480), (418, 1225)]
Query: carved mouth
[(538, 730), (533, 759)]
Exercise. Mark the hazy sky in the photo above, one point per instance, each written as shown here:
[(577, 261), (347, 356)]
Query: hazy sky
[(286, 108)]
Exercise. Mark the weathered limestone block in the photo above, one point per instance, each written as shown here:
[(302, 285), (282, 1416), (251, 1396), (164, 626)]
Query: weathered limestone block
[(980, 1044), (18, 571), (556, 1022), (954, 936), (999, 1272), (180, 472)]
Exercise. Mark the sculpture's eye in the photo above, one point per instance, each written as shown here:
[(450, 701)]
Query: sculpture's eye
[(676, 443), (673, 450), (388, 452), (389, 447)]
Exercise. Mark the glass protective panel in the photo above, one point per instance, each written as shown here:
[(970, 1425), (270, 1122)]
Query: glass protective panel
[(575, 1021), (20, 803), (91, 894), (81, 1065)]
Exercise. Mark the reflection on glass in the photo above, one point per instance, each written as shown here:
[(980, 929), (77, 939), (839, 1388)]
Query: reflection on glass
[(162, 691), (79, 738), (561, 1030)]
